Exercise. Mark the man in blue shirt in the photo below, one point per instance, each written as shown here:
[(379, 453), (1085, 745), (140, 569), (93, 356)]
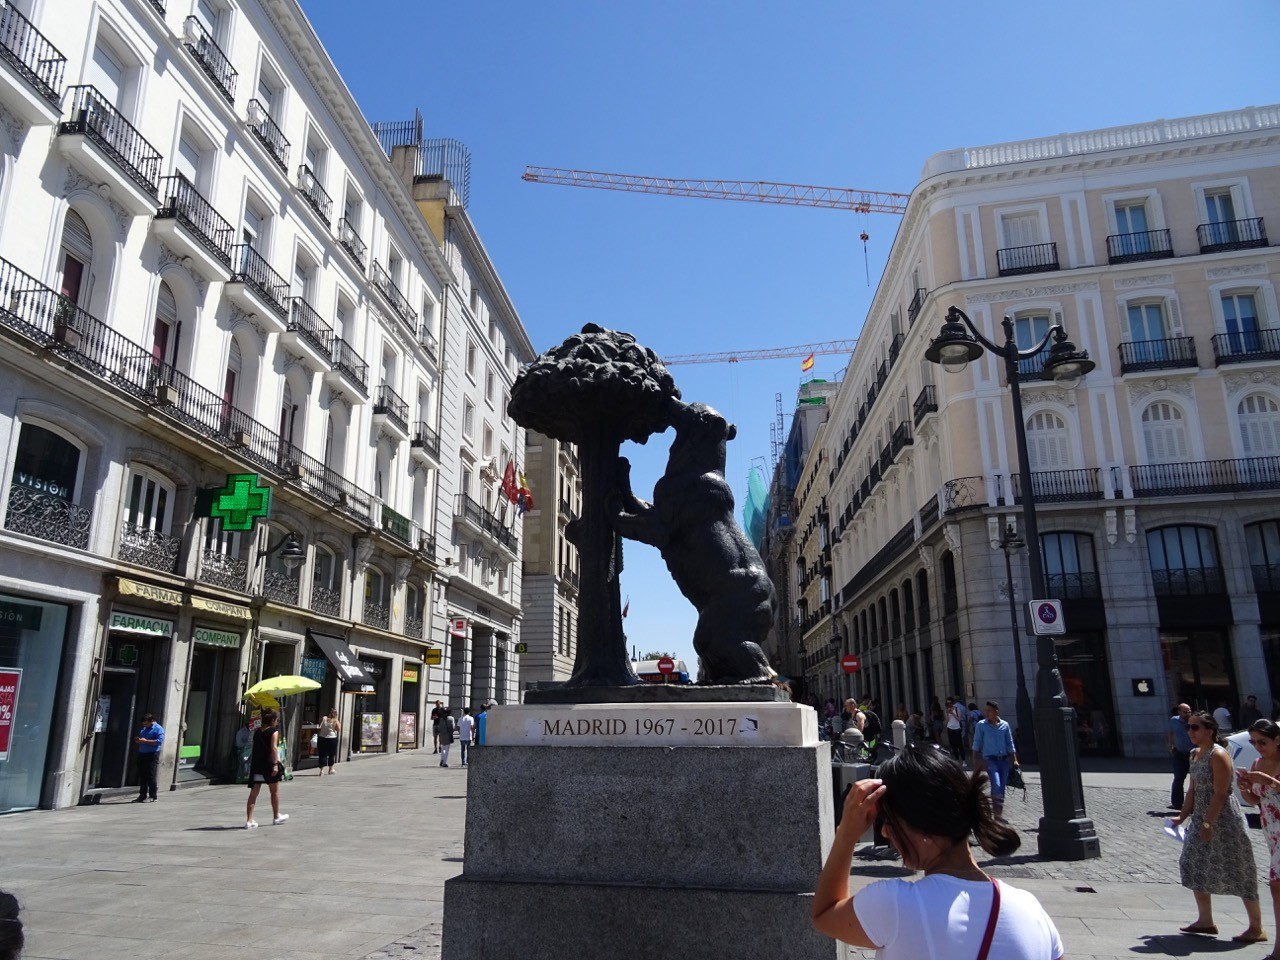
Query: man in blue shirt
[(993, 751), (1180, 751), (149, 740)]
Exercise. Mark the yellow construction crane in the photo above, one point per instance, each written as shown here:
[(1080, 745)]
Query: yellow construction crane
[(755, 191), (770, 353)]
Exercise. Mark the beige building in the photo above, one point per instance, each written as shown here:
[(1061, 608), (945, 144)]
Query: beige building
[(1156, 479)]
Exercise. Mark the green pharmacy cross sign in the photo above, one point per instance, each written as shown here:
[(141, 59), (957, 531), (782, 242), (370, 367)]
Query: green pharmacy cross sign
[(242, 501)]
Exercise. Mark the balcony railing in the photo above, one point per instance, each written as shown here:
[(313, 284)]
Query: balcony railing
[(926, 402), (144, 547), (929, 513), (220, 570), (895, 347), (1032, 368), (1061, 486), (209, 55), (1036, 258), (472, 511), (40, 514), (1145, 245), (388, 403), (159, 6), (1266, 577), (184, 203), (347, 361), (1073, 586), (349, 240), (1205, 476), (425, 438), (307, 324), (377, 615), (964, 493), (96, 118), (268, 134), (571, 577), (313, 193), (280, 587), (916, 304), (28, 52), (325, 601), (413, 626), (397, 525), (1246, 346), (252, 269), (1166, 354), (1188, 582), (1231, 235), (429, 343), (901, 437), (387, 287)]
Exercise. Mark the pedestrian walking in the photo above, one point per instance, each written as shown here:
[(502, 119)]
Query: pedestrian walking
[(1249, 713), (448, 731), (1260, 787), (466, 733), (327, 740), (930, 807), (937, 722), (265, 766), (994, 752), (1217, 857), (955, 729), (1180, 747), (1223, 717), (435, 726), (150, 739)]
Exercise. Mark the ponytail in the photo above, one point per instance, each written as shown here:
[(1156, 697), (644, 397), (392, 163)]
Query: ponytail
[(996, 838)]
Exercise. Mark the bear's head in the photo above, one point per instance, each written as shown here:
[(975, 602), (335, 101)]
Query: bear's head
[(701, 433)]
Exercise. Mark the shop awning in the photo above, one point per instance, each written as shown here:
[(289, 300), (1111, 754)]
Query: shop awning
[(335, 649)]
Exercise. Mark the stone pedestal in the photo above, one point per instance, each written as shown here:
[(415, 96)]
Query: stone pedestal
[(643, 831)]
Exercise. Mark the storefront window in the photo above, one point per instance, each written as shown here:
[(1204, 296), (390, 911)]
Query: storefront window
[(410, 701), (31, 640), (1200, 668), (369, 732), (1082, 661)]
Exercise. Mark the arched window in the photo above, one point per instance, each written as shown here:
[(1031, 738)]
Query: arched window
[(1259, 418), (895, 614), (1264, 555), (44, 487), (377, 598), (950, 598), (922, 596), (326, 590), (884, 618), (1184, 561), (1164, 433), (875, 633), (908, 604), (164, 333), (1048, 443), (76, 259), (150, 502), (1069, 565), (230, 380)]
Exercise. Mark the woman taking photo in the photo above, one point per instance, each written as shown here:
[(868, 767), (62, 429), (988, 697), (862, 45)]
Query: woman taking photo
[(929, 807), (1217, 857), (1260, 787)]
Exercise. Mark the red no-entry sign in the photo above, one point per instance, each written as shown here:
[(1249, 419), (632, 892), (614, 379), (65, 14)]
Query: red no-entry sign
[(666, 666), (851, 663)]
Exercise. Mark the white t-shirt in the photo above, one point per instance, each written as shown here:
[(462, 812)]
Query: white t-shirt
[(942, 916), (466, 724), (955, 717), (1223, 716)]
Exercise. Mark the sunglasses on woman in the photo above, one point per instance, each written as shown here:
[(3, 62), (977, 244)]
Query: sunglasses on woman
[(1195, 726)]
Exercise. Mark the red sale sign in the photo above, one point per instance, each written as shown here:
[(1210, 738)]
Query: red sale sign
[(9, 680)]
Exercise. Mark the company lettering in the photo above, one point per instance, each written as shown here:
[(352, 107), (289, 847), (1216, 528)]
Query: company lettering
[(44, 486)]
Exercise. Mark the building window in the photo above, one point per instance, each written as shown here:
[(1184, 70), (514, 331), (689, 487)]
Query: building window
[(1259, 418), (1048, 442), (1263, 540), (468, 419), (1240, 322), (490, 385), (150, 504), (1029, 329), (1069, 565), (76, 259), (1164, 433), (1131, 217), (1184, 561), (1146, 321), (471, 359), (487, 445), (164, 333)]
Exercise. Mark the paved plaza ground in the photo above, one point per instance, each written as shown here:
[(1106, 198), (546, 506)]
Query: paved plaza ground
[(358, 871)]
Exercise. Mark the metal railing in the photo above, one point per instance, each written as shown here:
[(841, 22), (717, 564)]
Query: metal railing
[(280, 587), (268, 134), (929, 513), (475, 513), (1231, 235), (413, 626), (377, 615), (159, 6), (95, 117), (901, 437), (1266, 577), (307, 324), (184, 203), (895, 347), (964, 493), (325, 601), (31, 54), (383, 283), (220, 570), (926, 403), (144, 547), (1246, 345), (1188, 582), (1164, 354), (313, 193), (427, 340), (916, 304), (388, 403), (215, 64), (349, 240), (425, 438), (1205, 476), (397, 525), (40, 514), (1133, 247), (1035, 258), (252, 269), (1061, 486), (349, 363), (1073, 586), (1032, 368), (571, 577)]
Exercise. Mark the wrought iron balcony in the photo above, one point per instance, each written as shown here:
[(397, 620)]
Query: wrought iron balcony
[(144, 547), (93, 116), (964, 493), (35, 59), (252, 269), (314, 194), (377, 615), (929, 513), (916, 304), (1266, 577), (43, 515), (209, 55), (1133, 247), (1074, 586), (349, 240), (1246, 346), (185, 204), (427, 545), (397, 525), (220, 570), (399, 304), (882, 374), (926, 403), (309, 327), (1035, 258), (1061, 486), (388, 403), (268, 134), (1205, 476), (572, 579), (1231, 235), (280, 587), (324, 600), (350, 363), (1032, 368), (901, 438), (895, 347), (1188, 582), (413, 626), (159, 6), (429, 343), (424, 438), (1168, 354), (474, 513)]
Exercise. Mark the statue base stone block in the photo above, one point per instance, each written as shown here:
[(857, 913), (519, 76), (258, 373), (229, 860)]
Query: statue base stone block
[(599, 831)]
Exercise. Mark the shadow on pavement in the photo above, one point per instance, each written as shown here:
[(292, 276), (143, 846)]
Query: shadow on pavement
[(1177, 945), (211, 828)]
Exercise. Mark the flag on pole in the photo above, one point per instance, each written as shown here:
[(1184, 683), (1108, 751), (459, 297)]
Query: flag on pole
[(807, 364), (524, 496), (509, 483), (625, 607)]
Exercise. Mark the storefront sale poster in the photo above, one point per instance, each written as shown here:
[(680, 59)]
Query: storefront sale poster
[(10, 679), (370, 730), (408, 729)]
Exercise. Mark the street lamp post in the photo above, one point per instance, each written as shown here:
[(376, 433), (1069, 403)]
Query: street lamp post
[(1066, 833), (1009, 544)]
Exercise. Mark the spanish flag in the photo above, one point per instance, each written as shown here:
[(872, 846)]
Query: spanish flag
[(807, 364)]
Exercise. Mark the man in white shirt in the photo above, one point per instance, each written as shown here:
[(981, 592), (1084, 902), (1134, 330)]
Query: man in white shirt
[(466, 731), (955, 728), (1223, 716)]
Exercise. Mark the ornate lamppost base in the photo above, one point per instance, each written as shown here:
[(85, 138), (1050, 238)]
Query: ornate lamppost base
[(1066, 833)]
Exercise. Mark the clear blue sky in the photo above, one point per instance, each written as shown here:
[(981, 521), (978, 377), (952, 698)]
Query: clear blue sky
[(847, 93)]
